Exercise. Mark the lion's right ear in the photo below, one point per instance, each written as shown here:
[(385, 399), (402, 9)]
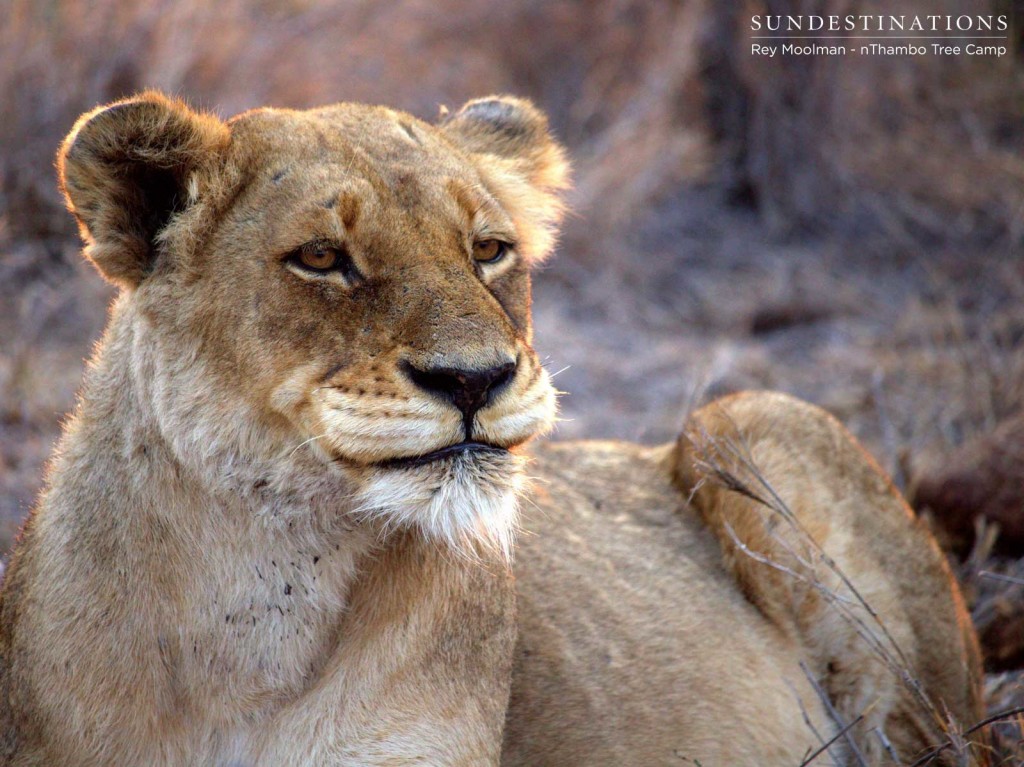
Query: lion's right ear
[(127, 168)]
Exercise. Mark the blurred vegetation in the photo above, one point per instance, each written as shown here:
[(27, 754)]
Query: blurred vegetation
[(912, 148)]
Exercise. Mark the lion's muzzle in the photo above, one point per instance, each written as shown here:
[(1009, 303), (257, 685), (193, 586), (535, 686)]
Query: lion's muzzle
[(468, 389)]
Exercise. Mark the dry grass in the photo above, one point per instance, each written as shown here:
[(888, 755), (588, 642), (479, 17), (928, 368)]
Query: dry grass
[(883, 145), (849, 231), (791, 549)]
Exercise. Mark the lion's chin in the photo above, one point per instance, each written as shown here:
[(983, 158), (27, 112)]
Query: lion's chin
[(467, 499)]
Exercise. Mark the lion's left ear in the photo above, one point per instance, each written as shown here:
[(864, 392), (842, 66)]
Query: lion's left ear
[(521, 162)]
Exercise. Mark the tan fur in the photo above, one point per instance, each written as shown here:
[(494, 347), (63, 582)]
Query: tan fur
[(649, 636), (221, 571)]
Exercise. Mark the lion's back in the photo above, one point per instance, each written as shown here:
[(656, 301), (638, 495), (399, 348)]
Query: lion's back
[(758, 568), (635, 643)]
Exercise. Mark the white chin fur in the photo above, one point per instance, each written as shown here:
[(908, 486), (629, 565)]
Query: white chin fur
[(467, 502)]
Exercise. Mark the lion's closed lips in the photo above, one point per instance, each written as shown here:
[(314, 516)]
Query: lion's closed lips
[(460, 448)]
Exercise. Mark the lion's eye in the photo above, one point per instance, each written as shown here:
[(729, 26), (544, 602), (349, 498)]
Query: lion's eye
[(489, 251), (318, 258)]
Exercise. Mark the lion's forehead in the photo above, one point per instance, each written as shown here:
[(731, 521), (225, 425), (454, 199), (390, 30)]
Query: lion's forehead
[(388, 173), (392, 152)]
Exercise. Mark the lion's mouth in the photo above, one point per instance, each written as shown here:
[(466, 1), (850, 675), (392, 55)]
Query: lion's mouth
[(459, 448)]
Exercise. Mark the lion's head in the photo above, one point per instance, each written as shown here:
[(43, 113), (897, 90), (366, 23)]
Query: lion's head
[(328, 311)]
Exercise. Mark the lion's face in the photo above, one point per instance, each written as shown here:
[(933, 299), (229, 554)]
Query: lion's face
[(343, 292)]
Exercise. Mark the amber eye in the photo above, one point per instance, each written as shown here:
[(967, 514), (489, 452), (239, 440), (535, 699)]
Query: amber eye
[(318, 259), (321, 258), (489, 251)]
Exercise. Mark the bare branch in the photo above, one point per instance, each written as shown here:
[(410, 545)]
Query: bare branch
[(836, 717), (1001, 577), (827, 744)]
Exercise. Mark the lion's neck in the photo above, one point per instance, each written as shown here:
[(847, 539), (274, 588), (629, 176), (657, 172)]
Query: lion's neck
[(146, 398), (235, 581)]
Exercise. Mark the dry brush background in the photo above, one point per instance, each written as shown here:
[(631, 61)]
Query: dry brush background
[(848, 230)]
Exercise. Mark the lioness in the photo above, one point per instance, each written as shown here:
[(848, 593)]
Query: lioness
[(278, 528)]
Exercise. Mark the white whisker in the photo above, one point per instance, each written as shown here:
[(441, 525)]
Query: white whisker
[(304, 443)]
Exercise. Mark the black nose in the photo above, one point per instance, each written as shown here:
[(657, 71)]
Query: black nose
[(468, 390)]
